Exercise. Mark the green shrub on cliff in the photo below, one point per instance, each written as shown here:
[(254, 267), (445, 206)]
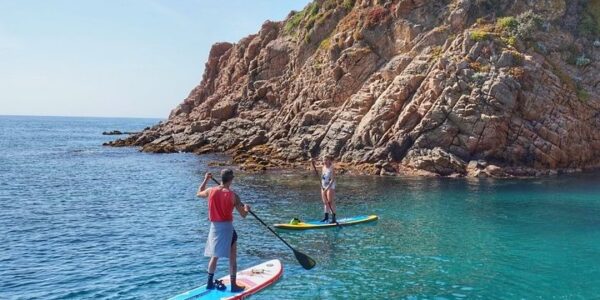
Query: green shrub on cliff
[(479, 35), (565, 78), (518, 58), (593, 7), (322, 17), (527, 23), (511, 40), (313, 14), (309, 13), (582, 61), (479, 78), (540, 48), (293, 22), (325, 44), (574, 57), (508, 23), (436, 52), (348, 4), (589, 25), (571, 53), (329, 4), (518, 28), (582, 95)]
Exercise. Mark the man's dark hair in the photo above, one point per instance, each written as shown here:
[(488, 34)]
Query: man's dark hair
[(226, 176)]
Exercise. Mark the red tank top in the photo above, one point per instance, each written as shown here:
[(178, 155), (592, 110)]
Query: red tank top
[(220, 205)]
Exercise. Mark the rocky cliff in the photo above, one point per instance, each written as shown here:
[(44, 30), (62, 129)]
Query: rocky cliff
[(444, 87)]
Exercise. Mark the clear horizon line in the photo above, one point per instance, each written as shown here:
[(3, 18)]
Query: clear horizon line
[(83, 116)]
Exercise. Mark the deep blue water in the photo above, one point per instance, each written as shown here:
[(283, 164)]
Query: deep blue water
[(83, 221)]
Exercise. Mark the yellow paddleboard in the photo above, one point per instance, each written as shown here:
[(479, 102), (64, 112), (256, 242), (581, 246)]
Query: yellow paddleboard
[(318, 224)]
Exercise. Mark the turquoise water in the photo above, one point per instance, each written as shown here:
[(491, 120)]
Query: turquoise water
[(82, 221)]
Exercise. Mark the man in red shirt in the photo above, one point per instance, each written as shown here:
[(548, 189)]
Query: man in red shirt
[(222, 238)]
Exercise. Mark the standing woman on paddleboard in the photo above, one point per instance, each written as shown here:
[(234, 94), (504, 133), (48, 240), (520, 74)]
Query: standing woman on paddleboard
[(222, 238), (328, 188)]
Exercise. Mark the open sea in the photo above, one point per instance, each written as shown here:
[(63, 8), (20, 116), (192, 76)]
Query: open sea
[(83, 221)]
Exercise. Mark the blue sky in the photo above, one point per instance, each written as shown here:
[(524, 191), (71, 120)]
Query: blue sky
[(127, 58)]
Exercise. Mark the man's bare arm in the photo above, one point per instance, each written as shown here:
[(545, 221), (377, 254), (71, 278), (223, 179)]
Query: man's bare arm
[(202, 190), (242, 208)]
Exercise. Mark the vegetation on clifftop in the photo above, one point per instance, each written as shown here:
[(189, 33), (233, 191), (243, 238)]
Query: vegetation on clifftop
[(307, 16), (590, 21)]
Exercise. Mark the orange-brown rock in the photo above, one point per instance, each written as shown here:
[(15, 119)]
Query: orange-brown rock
[(404, 86)]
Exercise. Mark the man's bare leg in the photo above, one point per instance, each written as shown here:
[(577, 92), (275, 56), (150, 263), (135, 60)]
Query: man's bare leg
[(212, 267), (233, 269)]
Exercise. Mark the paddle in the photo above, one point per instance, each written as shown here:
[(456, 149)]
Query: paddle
[(305, 261), (326, 199)]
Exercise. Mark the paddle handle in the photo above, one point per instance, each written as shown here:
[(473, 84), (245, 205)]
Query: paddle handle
[(315, 168)]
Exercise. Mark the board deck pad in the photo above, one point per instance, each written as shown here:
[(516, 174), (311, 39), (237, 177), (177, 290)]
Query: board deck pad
[(254, 279), (318, 224)]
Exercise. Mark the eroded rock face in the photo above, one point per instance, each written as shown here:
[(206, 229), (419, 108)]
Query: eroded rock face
[(423, 87)]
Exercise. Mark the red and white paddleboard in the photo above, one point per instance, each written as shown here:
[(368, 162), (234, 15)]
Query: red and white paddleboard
[(254, 279)]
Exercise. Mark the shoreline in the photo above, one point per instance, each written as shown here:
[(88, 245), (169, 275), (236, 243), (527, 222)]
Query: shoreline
[(255, 161)]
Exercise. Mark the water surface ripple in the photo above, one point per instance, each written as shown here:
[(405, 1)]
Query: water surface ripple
[(82, 221)]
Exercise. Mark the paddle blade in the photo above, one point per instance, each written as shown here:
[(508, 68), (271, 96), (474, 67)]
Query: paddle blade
[(304, 260)]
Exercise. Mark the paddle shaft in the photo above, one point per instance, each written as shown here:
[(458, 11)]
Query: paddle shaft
[(273, 231), (262, 222)]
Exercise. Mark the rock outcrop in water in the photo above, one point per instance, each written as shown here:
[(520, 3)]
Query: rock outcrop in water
[(461, 88), (118, 132)]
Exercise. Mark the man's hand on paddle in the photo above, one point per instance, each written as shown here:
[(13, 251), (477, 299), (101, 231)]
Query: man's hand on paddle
[(242, 208), (202, 190)]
